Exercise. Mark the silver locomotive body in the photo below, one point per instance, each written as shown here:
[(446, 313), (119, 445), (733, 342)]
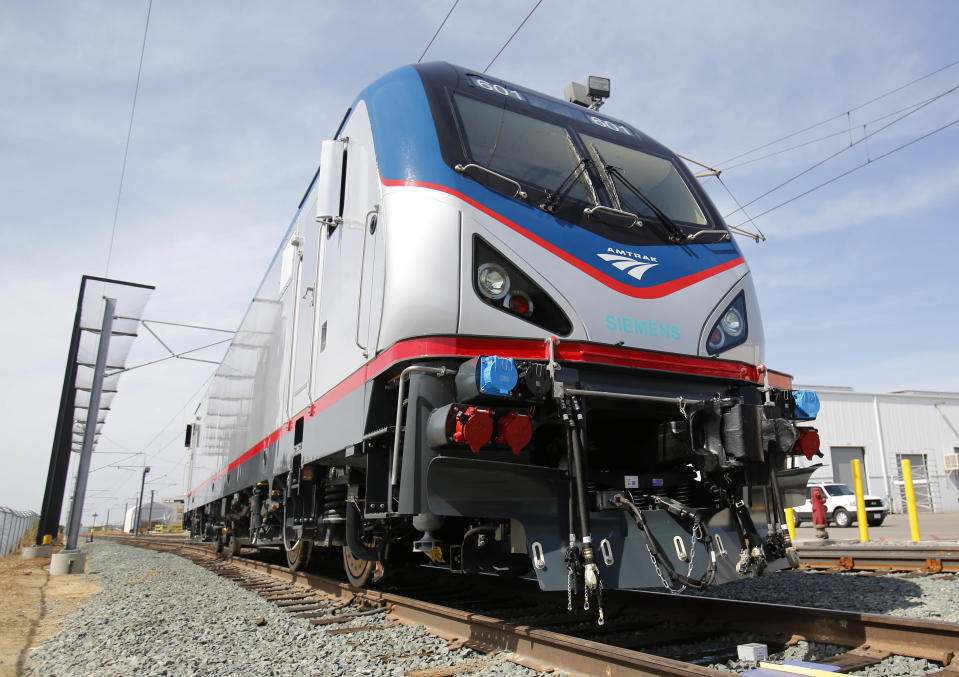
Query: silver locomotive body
[(503, 333)]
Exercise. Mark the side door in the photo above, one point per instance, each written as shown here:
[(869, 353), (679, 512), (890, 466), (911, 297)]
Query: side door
[(311, 250)]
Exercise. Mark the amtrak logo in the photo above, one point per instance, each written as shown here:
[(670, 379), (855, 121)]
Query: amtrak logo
[(635, 265)]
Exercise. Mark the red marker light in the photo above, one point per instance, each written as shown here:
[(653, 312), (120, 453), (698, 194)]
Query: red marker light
[(520, 304)]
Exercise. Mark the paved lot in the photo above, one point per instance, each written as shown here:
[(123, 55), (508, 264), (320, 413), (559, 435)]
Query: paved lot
[(934, 528)]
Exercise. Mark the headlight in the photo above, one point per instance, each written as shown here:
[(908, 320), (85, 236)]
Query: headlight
[(732, 322), (492, 280), (731, 329), (504, 286)]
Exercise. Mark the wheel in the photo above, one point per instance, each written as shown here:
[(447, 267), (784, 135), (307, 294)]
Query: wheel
[(358, 571), (298, 554), (218, 543), (234, 546), (875, 522), (841, 517), (297, 551)]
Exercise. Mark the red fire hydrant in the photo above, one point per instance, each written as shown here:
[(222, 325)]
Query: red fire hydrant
[(819, 513)]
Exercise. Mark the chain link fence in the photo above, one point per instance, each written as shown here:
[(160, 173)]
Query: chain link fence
[(13, 525)]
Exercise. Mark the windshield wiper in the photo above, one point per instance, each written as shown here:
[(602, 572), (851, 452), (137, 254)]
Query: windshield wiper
[(491, 179), (673, 232), (553, 199)]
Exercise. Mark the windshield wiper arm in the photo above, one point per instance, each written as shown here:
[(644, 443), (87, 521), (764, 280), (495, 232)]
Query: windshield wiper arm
[(675, 234), (494, 180), (554, 198)]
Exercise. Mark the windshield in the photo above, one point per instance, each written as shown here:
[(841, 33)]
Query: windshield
[(559, 161), (839, 490), (521, 147), (655, 177)]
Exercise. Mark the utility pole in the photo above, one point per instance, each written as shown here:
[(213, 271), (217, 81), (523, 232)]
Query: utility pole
[(150, 513), (106, 522), (123, 524), (136, 525), (93, 526)]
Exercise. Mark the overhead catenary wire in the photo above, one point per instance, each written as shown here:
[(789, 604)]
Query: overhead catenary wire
[(850, 171), (843, 150), (505, 44), (177, 324), (430, 43), (840, 115), (826, 137), (126, 149)]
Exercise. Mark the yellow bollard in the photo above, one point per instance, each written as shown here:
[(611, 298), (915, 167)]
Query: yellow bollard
[(911, 500), (47, 539), (860, 501), (791, 523)]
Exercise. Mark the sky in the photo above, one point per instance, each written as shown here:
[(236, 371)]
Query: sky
[(856, 281)]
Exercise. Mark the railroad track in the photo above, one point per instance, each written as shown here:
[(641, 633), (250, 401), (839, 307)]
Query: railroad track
[(516, 617), (919, 560)]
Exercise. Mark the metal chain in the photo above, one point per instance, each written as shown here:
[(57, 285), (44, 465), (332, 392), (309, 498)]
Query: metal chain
[(601, 620), (570, 584), (696, 535), (659, 572)]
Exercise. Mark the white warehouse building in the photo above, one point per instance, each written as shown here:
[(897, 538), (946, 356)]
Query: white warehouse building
[(882, 430)]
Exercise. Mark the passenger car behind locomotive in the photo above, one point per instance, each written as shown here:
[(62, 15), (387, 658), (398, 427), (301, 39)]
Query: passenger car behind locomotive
[(503, 333)]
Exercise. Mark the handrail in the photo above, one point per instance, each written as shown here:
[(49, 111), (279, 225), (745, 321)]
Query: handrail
[(462, 169), (612, 211)]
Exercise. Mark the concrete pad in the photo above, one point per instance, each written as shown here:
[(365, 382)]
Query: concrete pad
[(67, 562), (935, 529), (37, 551)]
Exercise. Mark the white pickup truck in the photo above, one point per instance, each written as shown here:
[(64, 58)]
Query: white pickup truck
[(840, 506)]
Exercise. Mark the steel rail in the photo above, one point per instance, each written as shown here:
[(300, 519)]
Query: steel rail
[(871, 636), (928, 560), (903, 636)]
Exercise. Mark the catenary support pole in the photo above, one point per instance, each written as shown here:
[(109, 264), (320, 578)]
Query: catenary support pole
[(143, 480), (90, 429), (150, 511)]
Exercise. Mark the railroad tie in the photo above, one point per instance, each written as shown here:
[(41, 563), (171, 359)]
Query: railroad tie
[(297, 602)]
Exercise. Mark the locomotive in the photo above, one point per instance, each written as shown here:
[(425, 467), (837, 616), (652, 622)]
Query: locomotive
[(504, 333)]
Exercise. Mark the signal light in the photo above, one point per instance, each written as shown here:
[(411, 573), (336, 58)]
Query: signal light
[(520, 303), (731, 329)]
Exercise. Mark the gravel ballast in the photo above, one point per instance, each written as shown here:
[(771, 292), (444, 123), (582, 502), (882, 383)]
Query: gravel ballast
[(928, 597), (159, 614)]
